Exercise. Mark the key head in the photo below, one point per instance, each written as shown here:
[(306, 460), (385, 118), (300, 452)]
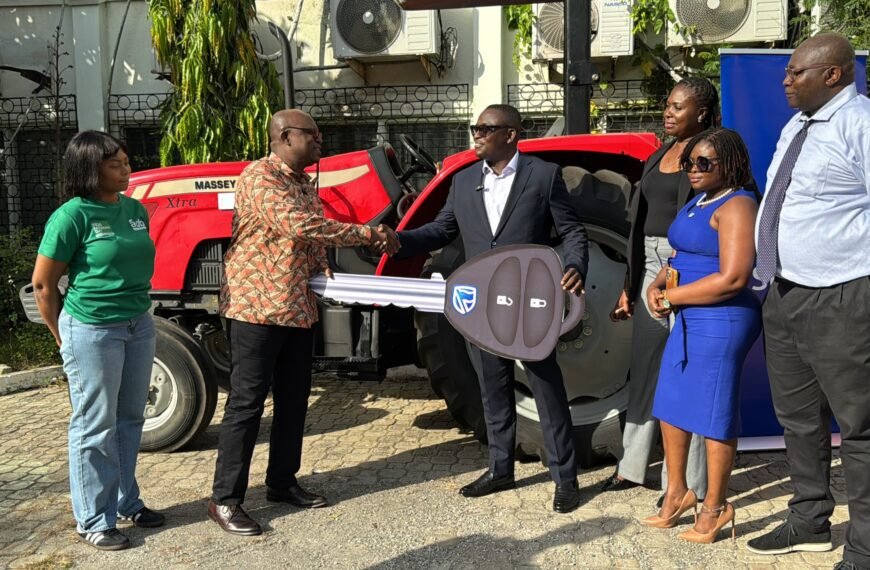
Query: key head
[(509, 302)]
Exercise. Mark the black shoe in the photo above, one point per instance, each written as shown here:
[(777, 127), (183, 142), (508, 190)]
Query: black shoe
[(487, 484), (567, 497), (615, 483), (296, 496), (787, 538), (111, 539), (847, 565), (661, 501), (233, 519), (145, 518)]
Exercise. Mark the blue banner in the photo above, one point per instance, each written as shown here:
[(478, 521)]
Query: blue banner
[(754, 105)]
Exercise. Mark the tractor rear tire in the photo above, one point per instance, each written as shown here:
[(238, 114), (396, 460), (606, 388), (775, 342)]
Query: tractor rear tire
[(444, 353), (183, 393)]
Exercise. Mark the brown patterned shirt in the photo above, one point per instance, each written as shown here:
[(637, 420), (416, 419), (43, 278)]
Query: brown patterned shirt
[(279, 241)]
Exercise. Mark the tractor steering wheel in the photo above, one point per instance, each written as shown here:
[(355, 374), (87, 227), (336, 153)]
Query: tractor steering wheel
[(422, 162)]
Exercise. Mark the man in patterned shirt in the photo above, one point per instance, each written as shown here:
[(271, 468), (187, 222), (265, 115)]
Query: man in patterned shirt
[(279, 241)]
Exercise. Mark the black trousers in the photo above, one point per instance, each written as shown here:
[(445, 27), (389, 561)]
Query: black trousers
[(496, 377), (817, 343), (263, 357)]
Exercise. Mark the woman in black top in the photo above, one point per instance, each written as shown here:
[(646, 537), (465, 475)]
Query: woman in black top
[(692, 106)]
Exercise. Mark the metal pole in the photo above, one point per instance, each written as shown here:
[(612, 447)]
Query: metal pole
[(578, 67), (287, 57)]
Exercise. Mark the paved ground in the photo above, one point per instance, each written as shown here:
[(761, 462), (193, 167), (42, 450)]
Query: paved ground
[(390, 459)]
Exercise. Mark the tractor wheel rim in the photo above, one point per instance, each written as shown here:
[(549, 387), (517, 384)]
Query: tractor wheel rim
[(162, 396)]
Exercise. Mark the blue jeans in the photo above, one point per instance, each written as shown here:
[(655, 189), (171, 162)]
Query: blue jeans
[(109, 370)]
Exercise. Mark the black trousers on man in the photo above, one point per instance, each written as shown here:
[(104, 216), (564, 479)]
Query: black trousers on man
[(496, 377), (263, 357), (818, 359)]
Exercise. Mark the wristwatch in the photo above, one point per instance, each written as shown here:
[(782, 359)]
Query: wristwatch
[(665, 303)]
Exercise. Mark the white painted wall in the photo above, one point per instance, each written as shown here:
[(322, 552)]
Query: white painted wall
[(25, 34), (135, 61)]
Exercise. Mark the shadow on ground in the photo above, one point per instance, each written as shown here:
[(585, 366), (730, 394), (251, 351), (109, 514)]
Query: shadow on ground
[(483, 551)]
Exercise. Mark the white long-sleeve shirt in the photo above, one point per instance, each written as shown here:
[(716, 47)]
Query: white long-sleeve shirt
[(824, 226), (496, 188)]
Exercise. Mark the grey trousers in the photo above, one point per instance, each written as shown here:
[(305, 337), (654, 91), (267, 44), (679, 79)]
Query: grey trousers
[(649, 335), (817, 343)]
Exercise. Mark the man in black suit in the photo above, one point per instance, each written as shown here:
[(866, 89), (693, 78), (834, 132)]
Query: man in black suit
[(509, 198)]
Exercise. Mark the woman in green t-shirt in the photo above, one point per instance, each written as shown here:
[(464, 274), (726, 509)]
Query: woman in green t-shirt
[(104, 331)]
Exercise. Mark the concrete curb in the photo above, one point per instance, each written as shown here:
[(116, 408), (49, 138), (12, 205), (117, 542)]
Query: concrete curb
[(29, 379)]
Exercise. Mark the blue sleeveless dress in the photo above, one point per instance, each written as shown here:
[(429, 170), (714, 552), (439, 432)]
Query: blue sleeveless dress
[(699, 379)]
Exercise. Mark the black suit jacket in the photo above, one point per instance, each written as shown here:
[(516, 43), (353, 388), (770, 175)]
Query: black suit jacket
[(637, 216), (538, 202)]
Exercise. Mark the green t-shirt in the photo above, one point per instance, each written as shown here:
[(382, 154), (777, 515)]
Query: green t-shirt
[(110, 257)]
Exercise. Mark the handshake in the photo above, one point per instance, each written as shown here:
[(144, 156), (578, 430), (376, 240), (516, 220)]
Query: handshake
[(384, 240)]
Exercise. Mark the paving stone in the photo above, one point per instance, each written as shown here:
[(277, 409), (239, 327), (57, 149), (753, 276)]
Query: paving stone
[(392, 461)]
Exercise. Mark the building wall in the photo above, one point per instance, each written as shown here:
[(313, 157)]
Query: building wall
[(125, 97), (483, 56), (26, 31)]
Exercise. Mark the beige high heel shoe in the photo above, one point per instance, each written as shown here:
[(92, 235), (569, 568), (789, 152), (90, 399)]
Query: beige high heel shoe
[(689, 501), (726, 515)]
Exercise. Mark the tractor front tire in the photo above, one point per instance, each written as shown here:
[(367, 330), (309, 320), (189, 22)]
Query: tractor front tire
[(183, 392)]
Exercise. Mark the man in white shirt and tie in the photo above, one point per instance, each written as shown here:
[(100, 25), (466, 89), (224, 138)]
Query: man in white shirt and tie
[(510, 198), (813, 239)]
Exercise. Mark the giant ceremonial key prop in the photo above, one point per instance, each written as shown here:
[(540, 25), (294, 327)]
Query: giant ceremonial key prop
[(507, 301)]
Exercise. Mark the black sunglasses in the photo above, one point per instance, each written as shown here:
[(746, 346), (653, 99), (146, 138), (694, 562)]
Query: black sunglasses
[(486, 130), (702, 163)]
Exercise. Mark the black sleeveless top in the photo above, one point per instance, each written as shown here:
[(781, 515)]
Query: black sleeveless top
[(661, 192)]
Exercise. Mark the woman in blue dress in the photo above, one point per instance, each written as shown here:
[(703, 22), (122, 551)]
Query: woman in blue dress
[(717, 320)]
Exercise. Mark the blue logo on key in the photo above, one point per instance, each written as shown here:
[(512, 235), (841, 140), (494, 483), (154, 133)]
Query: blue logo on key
[(464, 298)]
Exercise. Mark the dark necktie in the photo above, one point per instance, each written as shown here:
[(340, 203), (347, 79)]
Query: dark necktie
[(768, 226)]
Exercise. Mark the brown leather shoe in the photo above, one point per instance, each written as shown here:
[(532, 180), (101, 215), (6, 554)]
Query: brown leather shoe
[(233, 519)]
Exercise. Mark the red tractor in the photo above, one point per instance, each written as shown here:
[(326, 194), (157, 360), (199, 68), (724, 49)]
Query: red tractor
[(191, 209)]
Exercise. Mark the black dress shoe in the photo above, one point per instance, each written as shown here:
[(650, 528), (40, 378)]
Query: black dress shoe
[(296, 496), (567, 497), (615, 483), (233, 519), (487, 484), (144, 518)]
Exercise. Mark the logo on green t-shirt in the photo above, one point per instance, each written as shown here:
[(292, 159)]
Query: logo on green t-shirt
[(102, 229), (137, 225)]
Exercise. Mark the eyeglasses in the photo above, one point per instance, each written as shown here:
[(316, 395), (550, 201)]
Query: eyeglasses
[(486, 130), (315, 132), (792, 72), (702, 163)]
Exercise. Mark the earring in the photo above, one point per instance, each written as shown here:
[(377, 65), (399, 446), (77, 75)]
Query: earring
[(700, 119)]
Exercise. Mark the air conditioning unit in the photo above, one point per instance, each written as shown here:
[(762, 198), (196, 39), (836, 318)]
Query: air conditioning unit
[(380, 29), (728, 21), (611, 29)]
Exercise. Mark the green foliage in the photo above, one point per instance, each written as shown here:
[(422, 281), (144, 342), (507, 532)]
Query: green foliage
[(22, 344), (706, 60), (848, 17), (651, 14), (29, 345), (520, 18), (223, 95)]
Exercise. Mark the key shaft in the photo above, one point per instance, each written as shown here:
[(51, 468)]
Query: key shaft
[(426, 295)]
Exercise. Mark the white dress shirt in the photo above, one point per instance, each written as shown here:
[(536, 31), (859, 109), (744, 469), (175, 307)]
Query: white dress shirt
[(824, 227), (496, 188)]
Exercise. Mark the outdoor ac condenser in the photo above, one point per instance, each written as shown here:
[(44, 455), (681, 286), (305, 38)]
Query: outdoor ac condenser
[(381, 30), (728, 21), (611, 29)]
